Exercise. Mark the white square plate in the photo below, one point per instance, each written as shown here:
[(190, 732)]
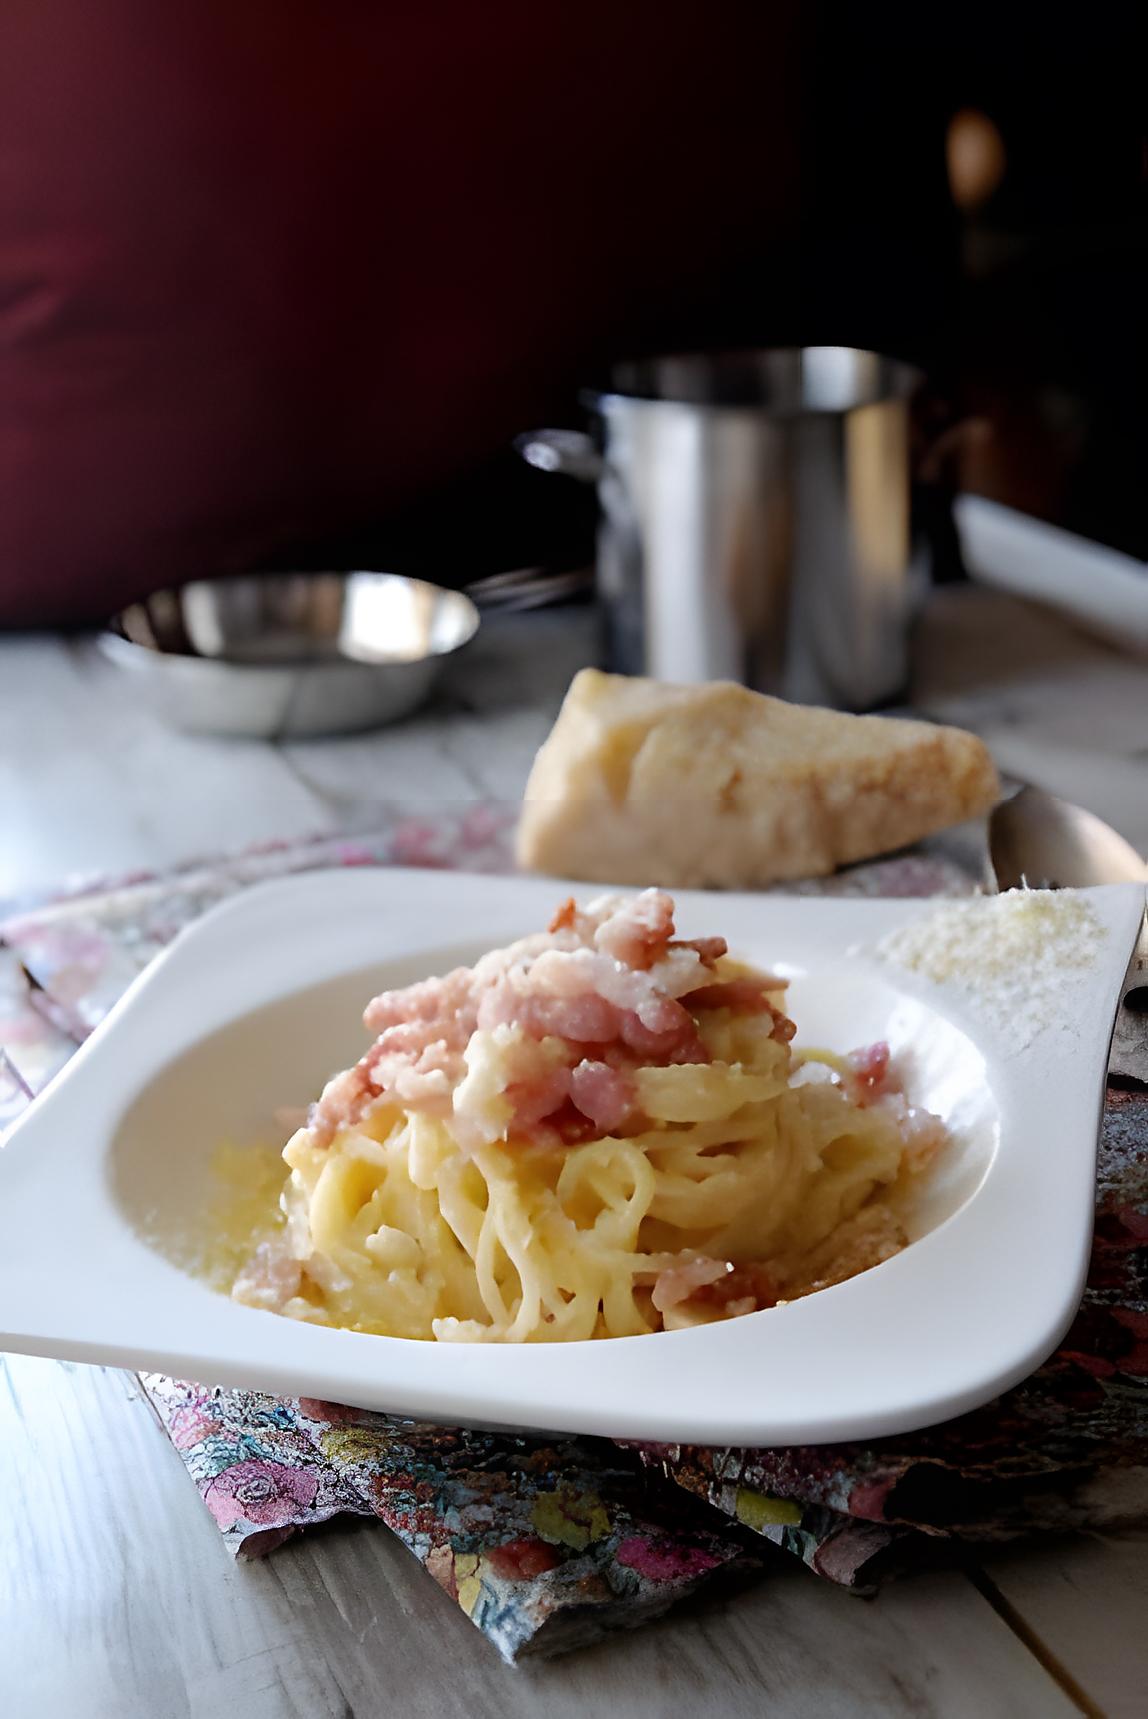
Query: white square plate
[(257, 1003)]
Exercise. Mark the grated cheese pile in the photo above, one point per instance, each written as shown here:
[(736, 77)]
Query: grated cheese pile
[(1007, 953)]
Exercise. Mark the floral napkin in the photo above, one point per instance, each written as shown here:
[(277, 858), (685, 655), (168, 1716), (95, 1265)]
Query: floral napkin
[(546, 1543)]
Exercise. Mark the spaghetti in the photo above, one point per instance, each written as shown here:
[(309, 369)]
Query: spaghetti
[(599, 1131)]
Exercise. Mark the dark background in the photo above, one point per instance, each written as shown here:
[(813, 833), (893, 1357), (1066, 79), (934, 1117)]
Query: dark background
[(279, 283)]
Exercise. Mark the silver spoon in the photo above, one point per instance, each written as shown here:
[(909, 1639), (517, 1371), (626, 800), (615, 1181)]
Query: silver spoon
[(1046, 843)]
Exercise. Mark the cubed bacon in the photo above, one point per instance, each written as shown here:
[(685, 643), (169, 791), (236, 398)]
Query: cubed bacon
[(636, 932), (587, 998), (746, 997), (422, 1077), (675, 1039), (869, 1071), (447, 1004), (602, 1093), (564, 916), (344, 1099), (581, 1019), (744, 1289), (535, 1099), (682, 1281), (716, 1283), (566, 1126), (608, 984), (270, 1278)]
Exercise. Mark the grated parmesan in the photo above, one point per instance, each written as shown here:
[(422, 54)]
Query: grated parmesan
[(1008, 954)]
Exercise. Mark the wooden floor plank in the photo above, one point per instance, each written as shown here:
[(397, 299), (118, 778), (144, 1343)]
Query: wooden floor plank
[(119, 1601), (1086, 1595)]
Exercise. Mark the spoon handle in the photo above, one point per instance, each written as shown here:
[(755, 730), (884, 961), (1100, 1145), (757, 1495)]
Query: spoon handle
[(1129, 1056)]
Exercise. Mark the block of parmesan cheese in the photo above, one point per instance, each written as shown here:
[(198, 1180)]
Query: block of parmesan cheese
[(641, 782)]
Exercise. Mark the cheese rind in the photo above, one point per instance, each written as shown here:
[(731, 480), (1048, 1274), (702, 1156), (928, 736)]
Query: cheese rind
[(644, 782)]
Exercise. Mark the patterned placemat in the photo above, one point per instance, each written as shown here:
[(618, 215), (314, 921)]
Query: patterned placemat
[(546, 1543)]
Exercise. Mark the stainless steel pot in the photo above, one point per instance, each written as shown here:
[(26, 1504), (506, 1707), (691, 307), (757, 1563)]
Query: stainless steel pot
[(755, 519)]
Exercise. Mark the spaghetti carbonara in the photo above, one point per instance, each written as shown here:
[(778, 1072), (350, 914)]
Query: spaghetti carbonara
[(598, 1131)]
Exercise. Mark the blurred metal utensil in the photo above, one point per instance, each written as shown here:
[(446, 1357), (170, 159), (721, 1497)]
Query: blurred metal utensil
[(290, 654), (529, 588), (755, 519), (1046, 843)]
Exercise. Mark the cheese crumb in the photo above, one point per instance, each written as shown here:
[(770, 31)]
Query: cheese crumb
[(1008, 954)]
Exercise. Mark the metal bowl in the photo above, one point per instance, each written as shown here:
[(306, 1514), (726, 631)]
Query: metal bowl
[(290, 654)]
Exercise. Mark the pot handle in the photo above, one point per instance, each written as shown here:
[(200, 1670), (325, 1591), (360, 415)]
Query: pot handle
[(570, 452)]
